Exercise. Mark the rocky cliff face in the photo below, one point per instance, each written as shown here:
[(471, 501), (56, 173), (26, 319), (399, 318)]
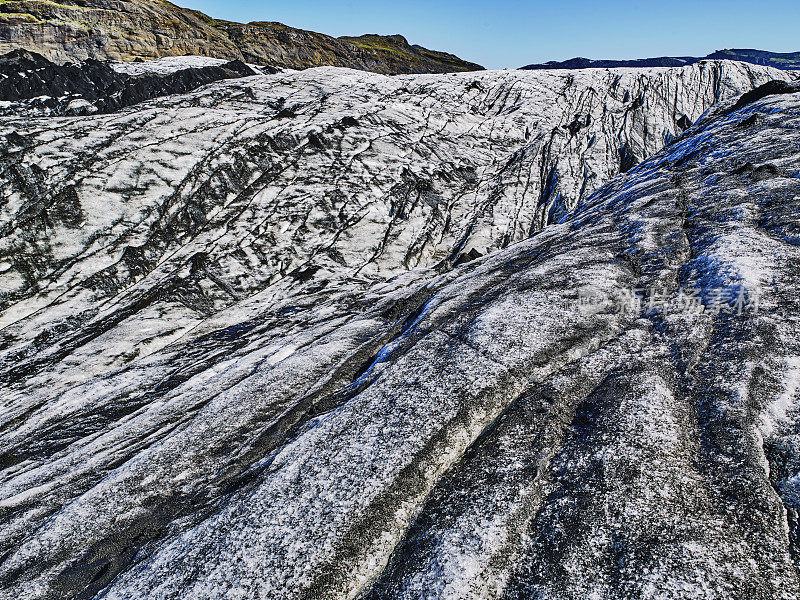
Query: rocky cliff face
[(146, 29), (273, 338)]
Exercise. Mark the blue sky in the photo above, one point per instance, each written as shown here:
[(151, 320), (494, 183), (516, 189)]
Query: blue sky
[(511, 33)]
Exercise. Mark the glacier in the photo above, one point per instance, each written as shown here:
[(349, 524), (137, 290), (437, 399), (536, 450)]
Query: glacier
[(317, 334)]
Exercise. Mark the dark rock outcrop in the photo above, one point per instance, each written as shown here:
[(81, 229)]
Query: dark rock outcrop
[(93, 86)]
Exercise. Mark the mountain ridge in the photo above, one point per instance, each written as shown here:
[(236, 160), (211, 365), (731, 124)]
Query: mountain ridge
[(146, 29), (787, 61)]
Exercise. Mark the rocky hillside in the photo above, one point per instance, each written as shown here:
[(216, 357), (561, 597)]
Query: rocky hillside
[(332, 334), (777, 60), (128, 30)]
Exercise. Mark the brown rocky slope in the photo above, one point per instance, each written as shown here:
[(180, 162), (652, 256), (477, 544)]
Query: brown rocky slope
[(144, 29)]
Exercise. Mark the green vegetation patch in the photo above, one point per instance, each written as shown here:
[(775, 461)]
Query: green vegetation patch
[(378, 43), (34, 4), (18, 17)]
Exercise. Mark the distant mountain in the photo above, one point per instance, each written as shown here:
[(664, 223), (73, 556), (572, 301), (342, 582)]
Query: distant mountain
[(145, 29), (785, 61)]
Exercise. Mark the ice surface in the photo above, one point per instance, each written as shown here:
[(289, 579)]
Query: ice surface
[(247, 350)]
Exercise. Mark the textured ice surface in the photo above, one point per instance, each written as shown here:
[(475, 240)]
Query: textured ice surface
[(248, 350), (168, 64)]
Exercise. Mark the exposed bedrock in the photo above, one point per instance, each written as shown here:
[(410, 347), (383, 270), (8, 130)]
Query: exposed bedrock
[(130, 30)]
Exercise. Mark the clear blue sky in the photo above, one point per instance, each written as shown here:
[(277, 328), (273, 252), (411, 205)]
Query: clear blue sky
[(512, 33)]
